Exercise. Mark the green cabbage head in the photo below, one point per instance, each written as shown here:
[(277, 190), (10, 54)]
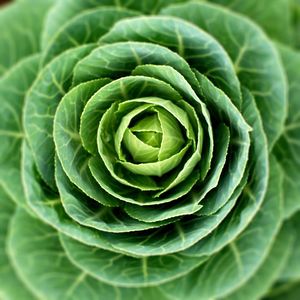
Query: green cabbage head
[(149, 150)]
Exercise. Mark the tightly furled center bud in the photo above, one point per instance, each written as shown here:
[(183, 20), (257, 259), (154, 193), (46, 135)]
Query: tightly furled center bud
[(153, 138), (152, 135)]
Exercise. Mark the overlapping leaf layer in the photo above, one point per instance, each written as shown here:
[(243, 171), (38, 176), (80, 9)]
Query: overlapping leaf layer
[(149, 150)]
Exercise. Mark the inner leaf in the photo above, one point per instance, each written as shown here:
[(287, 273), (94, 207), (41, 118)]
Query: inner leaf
[(150, 138)]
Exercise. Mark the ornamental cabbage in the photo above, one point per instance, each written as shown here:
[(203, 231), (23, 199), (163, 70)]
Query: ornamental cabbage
[(150, 149)]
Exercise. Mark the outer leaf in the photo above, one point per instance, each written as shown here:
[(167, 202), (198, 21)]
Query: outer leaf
[(85, 28), (288, 147), (48, 207), (197, 47), (291, 270), (13, 86), (232, 266), (264, 12), (253, 194), (296, 21), (121, 270), (253, 56), (266, 275), (11, 287), (289, 291), (72, 156), (21, 28), (41, 103), (64, 10), (34, 247)]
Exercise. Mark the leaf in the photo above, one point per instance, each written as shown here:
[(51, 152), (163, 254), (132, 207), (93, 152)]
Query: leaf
[(23, 25), (199, 49), (11, 287), (47, 205), (64, 10), (264, 13), (260, 283), (86, 27), (253, 56), (34, 247), (291, 270), (241, 258), (175, 237), (222, 108), (288, 147), (254, 185), (89, 213), (126, 271), (288, 291), (71, 154), (13, 87), (41, 103)]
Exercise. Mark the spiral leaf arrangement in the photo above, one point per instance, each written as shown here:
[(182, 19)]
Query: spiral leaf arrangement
[(151, 151)]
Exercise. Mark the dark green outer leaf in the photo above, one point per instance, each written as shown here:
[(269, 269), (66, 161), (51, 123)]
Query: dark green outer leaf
[(258, 285), (13, 86), (41, 103), (125, 271), (291, 271), (34, 247), (198, 48), (11, 287), (264, 12), (64, 10), (21, 26), (68, 144), (84, 28), (253, 56), (232, 266), (288, 147), (253, 195)]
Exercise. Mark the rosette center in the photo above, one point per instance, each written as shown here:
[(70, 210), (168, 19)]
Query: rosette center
[(150, 136)]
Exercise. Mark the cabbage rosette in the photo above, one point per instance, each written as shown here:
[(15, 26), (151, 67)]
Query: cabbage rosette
[(155, 155)]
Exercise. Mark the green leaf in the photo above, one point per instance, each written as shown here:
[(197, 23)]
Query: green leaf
[(139, 150), (35, 247), (88, 213), (291, 270), (222, 108), (296, 21), (64, 10), (71, 154), (198, 48), (264, 13), (259, 284), (120, 59), (87, 27), (11, 287), (126, 271), (288, 291), (48, 207), (41, 103), (23, 25), (288, 147), (175, 237), (13, 87), (241, 258), (253, 193), (253, 56)]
